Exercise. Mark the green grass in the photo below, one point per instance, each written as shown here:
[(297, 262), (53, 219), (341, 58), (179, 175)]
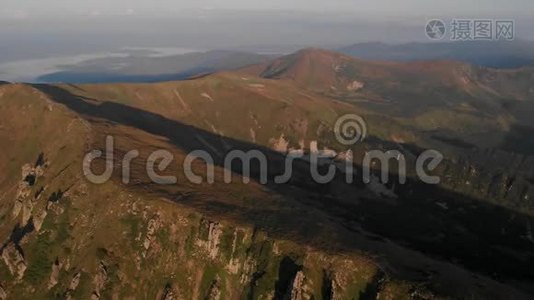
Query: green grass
[(4, 272), (164, 237), (111, 282), (190, 242), (63, 226), (84, 289), (40, 264), (226, 243), (133, 223), (209, 276)]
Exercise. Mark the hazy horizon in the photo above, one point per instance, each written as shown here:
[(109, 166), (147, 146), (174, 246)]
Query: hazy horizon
[(61, 31), (30, 29), (27, 9)]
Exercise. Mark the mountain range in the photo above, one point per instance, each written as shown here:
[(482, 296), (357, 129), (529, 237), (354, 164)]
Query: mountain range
[(151, 66), (496, 54), (470, 236)]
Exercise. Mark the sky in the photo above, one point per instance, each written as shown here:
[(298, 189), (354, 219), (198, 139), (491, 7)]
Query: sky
[(20, 9), (31, 29)]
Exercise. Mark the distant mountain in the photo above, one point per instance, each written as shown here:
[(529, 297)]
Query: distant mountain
[(146, 68), (497, 54), (411, 83), (450, 98)]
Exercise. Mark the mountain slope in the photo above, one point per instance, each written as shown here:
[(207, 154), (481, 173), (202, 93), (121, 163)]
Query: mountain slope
[(346, 78), (458, 100), (68, 238), (474, 115), (234, 240)]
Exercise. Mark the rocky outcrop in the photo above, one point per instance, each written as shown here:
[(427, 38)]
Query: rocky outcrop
[(38, 220), (75, 281), (211, 244), (14, 260), (73, 285), (280, 144), (150, 243), (355, 86), (496, 175), (215, 290), (297, 290), (27, 209), (233, 265), (169, 293), (29, 177), (99, 280), (54, 276), (3, 294)]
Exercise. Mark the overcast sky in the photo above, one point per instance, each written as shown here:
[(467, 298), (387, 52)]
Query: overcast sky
[(53, 8), (48, 28)]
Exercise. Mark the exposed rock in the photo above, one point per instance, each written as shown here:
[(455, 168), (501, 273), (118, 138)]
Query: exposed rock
[(355, 86), (185, 106), (297, 291), (23, 190), (207, 96), (67, 265), (153, 225), (233, 264), (211, 245), (14, 260), (100, 280), (75, 281), (39, 219), (314, 148), (26, 171), (252, 135), (280, 144), (215, 291), (169, 293), (29, 177), (17, 207), (56, 267), (214, 238), (27, 209), (40, 193), (3, 294), (507, 176), (346, 156)]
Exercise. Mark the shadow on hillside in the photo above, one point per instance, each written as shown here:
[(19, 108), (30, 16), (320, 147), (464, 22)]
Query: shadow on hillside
[(480, 236), (519, 140), (89, 77)]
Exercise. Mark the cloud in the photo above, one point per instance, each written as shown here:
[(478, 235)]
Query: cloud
[(14, 14), (129, 12), (95, 13)]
